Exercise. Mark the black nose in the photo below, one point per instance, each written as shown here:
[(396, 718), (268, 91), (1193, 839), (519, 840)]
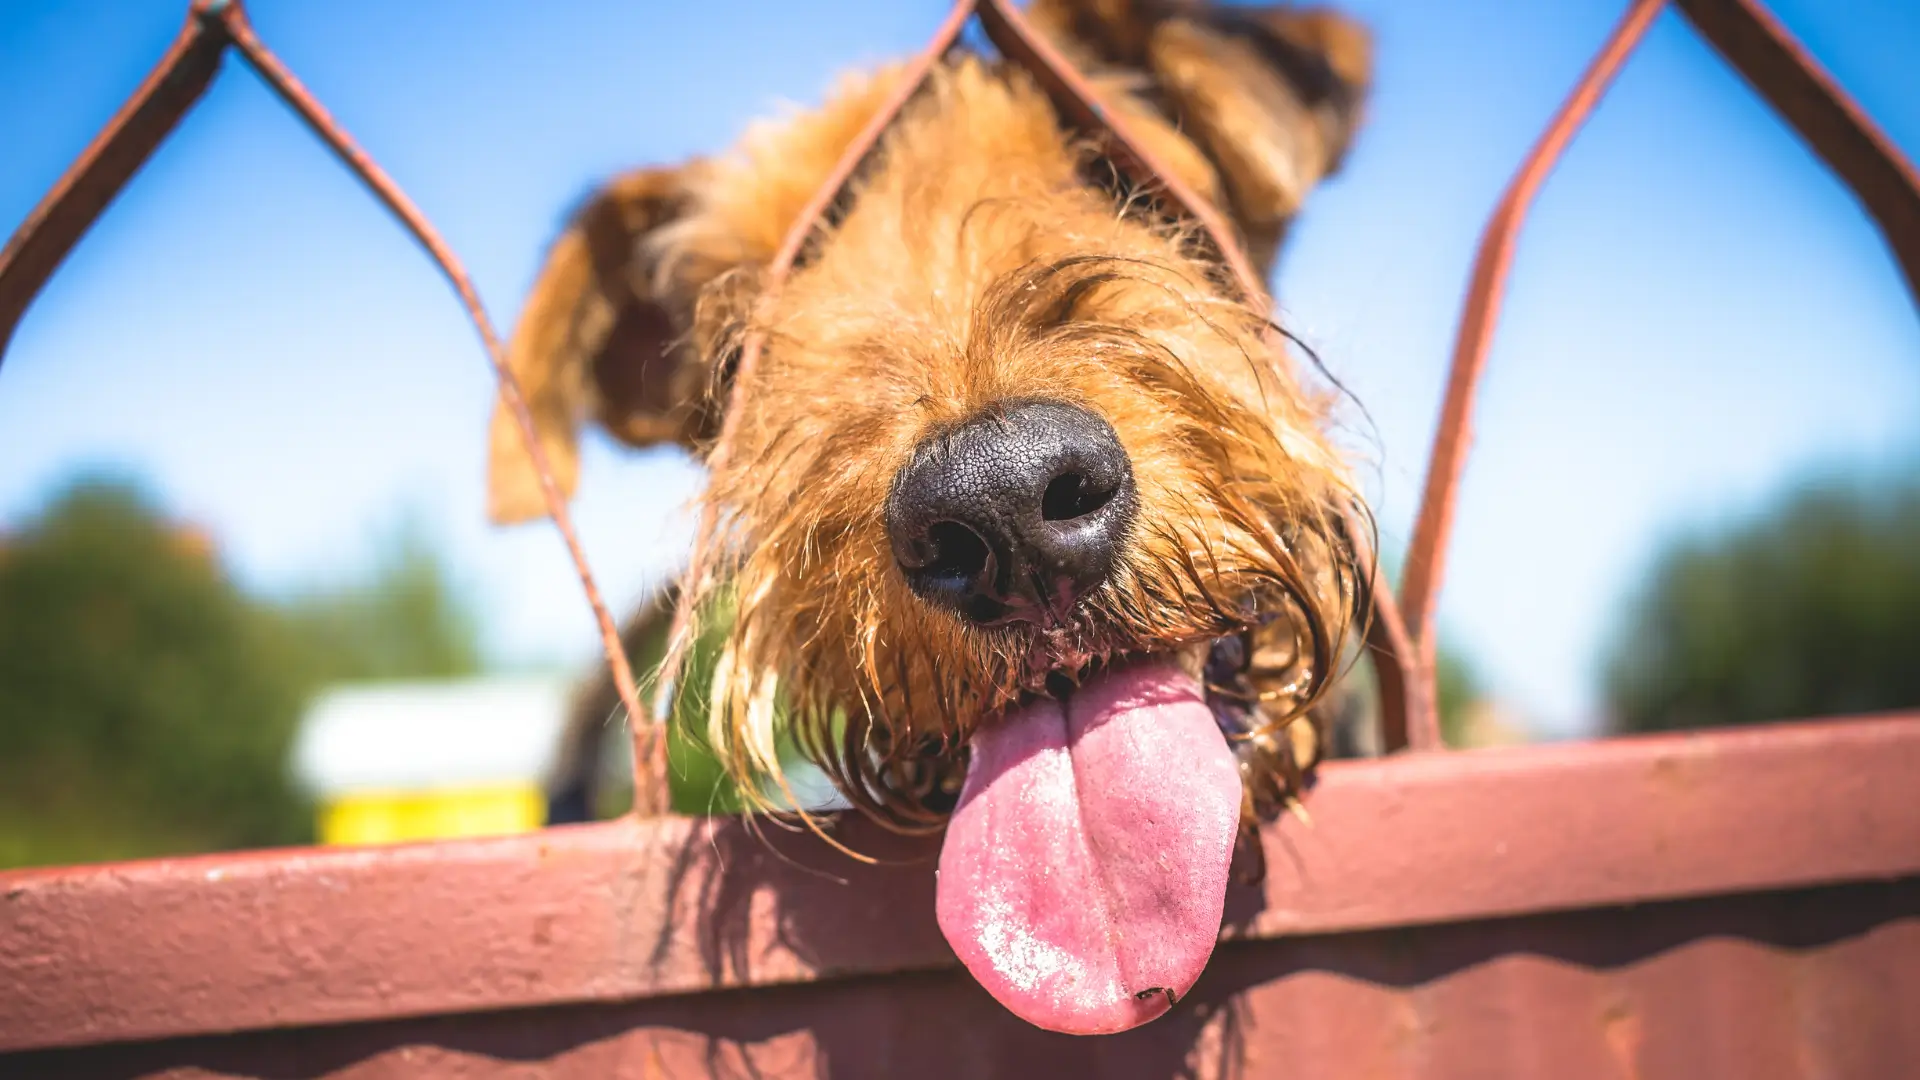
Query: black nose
[(1015, 514)]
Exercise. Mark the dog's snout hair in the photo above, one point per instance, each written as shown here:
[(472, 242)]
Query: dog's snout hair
[(1012, 422)]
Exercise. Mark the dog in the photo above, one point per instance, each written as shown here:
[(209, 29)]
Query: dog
[(1028, 528)]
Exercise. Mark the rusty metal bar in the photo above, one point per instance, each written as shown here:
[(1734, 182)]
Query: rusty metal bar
[(1409, 712), (642, 909), (649, 742), (1782, 71), (77, 199), (169, 92), (1426, 555), (1409, 705), (1793, 83), (650, 796)]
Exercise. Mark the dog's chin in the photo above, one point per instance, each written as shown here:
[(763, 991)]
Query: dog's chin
[(1085, 867)]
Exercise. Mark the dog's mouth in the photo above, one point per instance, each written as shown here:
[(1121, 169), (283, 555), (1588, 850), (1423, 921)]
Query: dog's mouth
[(1085, 867)]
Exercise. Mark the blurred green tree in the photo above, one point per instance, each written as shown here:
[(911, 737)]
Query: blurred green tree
[(1457, 681), (698, 783), (148, 704), (1458, 687), (404, 619), (1809, 608)]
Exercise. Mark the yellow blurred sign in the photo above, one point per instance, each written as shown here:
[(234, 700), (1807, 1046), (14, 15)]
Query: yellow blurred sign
[(391, 817)]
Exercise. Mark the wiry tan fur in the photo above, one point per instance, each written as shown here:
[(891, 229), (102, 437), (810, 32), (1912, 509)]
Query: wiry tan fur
[(979, 262)]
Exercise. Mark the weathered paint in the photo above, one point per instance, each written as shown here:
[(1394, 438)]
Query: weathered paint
[(639, 909), (1804, 985)]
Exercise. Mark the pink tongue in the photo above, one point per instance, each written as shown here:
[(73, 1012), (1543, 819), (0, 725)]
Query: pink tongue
[(1084, 872)]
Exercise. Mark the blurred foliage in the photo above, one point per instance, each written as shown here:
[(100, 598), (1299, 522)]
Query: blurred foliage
[(1809, 608), (1459, 689), (1458, 684), (145, 702), (698, 780), (148, 704), (404, 621)]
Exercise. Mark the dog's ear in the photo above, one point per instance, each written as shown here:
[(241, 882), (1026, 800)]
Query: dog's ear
[(633, 320), (1272, 94), (601, 339)]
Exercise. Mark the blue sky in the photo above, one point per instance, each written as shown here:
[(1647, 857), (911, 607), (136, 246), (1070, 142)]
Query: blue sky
[(1699, 312)]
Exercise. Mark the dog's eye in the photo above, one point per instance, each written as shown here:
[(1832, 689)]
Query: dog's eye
[(1071, 495)]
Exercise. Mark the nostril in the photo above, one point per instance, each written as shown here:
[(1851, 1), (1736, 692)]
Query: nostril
[(957, 555), (1071, 495)]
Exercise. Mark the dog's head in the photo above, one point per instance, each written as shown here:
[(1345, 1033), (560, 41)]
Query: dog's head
[(1027, 519)]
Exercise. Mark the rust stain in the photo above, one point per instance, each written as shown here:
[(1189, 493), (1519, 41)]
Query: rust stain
[(1621, 1027)]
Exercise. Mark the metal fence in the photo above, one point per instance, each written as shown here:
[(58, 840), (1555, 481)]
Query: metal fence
[(1450, 914)]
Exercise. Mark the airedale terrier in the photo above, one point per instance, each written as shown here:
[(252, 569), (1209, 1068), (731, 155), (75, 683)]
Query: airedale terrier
[(1029, 528)]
